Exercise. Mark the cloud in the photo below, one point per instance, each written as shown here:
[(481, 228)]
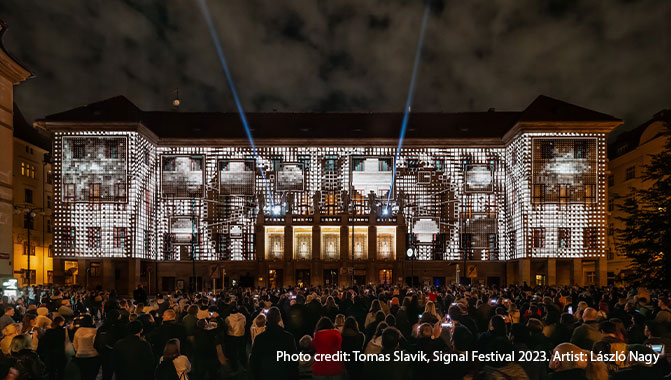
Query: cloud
[(307, 55)]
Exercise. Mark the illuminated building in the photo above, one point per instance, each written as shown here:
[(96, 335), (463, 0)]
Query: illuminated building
[(11, 74), (628, 156), (33, 195), (515, 196)]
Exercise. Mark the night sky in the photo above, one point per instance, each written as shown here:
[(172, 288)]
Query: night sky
[(613, 56)]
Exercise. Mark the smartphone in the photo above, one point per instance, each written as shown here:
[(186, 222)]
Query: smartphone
[(446, 324), (493, 301), (570, 309), (419, 316), (293, 297), (265, 311), (211, 313), (658, 348)]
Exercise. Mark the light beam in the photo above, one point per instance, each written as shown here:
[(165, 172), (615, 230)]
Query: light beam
[(411, 93), (229, 78)]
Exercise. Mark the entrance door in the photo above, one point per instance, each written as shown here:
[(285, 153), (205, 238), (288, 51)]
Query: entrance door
[(275, 278), (385, 277), (359, 280), (302, 278), (330, 277)]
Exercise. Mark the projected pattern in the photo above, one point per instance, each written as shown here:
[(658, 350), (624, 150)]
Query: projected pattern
[(540, 196)]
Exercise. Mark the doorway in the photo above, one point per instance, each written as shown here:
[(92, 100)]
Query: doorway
[(275, 278), (385, 277), (302, 278), (330, 277)]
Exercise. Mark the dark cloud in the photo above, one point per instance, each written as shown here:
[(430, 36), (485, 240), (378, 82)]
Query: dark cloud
[(349, 55)]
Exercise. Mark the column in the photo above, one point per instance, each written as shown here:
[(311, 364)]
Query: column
[(576, 273), (524, 271), (288, 256), (133, 274), (345, 254), (316, 269), (601, 271), (552, 272)]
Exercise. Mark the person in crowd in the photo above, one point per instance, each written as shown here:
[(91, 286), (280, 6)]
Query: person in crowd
[(258, 326), (330, 309), (352, 340), (339, 322), (305, 364), (263, 359), (51, 349), (133, 356), (86, 357), (388, 370), (585, 335), (235, 336), (8, 333), (327, 340), (168, 329), (172, 364), (25, 360), (570, 362)]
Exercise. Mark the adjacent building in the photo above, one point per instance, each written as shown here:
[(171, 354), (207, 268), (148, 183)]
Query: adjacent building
[(11, 73), (33, 199), (628, 156), (179, 200)]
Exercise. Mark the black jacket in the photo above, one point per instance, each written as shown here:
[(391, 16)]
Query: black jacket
[(162, 334), (263, 360), (133, 359), (29, 365)]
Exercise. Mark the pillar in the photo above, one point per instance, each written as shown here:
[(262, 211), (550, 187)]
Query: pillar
[(511, 276), (108, 274), (82, 275), (552, 272), (288, 256), (576, 273), (524, 271), (133, 274), (316, 269), (345, 254), (371, 276), (601, 271)]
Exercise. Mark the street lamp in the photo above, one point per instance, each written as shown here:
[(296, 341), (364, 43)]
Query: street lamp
[(411, 254), (29, 215)]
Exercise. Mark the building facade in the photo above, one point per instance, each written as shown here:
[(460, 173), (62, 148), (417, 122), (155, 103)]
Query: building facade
[(11, 74), (628, 157), (495, 197), (33, 199)]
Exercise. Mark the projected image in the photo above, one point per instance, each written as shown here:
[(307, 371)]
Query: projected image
[(236, 177), (182, 176), (425, 229), (182, 229), (94, 169), (372, 174), (479, 178), (290, 177)]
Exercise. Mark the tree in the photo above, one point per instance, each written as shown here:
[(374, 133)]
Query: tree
[(646, 236)]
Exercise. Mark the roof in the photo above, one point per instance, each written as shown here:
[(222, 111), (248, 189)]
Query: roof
[(23, 72), (629, 140), (273, 125), (28, 133)]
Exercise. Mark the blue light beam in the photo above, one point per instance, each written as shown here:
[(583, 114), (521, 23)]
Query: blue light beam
[(411, 94), (229, 78)]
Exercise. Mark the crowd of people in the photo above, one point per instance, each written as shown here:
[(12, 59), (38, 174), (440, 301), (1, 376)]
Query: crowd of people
[(68, 333)]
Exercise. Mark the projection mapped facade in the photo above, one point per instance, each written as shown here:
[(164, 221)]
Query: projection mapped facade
[(507, 192)]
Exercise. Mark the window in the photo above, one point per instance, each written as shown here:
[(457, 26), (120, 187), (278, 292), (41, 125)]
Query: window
[(538, 237), (94, 192), (466, 163), (50, 277), (120, 192), (93, 237), (611, 180), (78, 150), (305, 160), (276, 162), (611, 229), (23, 168), (611, 204), (50, 251), (591, 236), (580, 149), (547, 149), (539, 194), (591, 278), (25, 249), (28, 195), (630, 173), (28, 221), (330, 164), (69, 190), (467, 245), (95, 270), (69, 237), (50, 178), (385, 164), (147, 241), (48, 201), (413, 164), (168, 164), (48, 225), (564, 193), (438, 164), (196, 164), (491, 164), (111, 149), (146, 157), (564, 238), (513, 241), (357, 164), (119, 237)]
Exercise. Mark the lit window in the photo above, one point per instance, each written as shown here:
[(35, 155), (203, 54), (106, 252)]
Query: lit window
[(168, 164), (50, 251), (564, 238), (580, 149), (69, 237), (385, 164), (119, 237), (196, 164), (23, 168), (466, 163), (111, 149), (538, 237), (357, 164), (539, 194), (25, 249), (305, 160), (591, 237), (93, 237)]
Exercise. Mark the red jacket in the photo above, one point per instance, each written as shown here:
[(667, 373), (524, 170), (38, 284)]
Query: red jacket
[(327, 342)]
